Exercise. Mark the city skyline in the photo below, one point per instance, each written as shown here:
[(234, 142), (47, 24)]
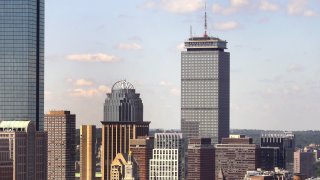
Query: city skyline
[(272, 77)]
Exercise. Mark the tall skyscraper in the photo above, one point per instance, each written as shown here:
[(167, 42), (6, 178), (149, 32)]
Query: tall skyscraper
[(205, 88), (123, 103), (123, 121), (61, 128), (23, 151), (168, 157), (201, 162), (285, 141), (22, 60), (87, 152)]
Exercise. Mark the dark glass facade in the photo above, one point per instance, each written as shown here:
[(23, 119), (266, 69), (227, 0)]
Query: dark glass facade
[(22, 60)]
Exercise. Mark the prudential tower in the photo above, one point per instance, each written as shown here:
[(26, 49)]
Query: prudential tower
[(205, 88)]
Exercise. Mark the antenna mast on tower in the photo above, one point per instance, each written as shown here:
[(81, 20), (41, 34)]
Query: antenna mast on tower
[(205, 20)]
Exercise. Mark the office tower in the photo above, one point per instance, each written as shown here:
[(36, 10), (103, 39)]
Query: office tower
[(87, 152), (115, 139), (24, 150), (123, 120), (285, 141), (304, 163), (141, 149), (205, 88), (168, 154), (22, 61), (201, 162), (235, 159), (124, 167), (61, 128), (123, 103), (269, 158)]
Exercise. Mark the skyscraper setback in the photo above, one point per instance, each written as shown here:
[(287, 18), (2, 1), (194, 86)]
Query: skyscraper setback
[(22, 61), (205, 88)]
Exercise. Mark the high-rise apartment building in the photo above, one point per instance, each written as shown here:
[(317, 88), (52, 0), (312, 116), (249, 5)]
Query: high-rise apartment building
[(22, 61), (23, 151), (87, 152), (205, 88), (304, 163), (123, 103), (285, 141), (61, 128), (141, 149), (236, 158), (168, 157), (201, 162)]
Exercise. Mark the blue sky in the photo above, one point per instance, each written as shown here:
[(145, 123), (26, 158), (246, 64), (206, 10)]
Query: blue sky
[(274, 46)]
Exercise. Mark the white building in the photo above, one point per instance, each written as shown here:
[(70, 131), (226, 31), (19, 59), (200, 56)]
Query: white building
[(167, 162)]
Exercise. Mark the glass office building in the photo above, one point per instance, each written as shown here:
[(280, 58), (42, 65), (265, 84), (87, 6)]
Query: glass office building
[(22, 60), (205, 88)]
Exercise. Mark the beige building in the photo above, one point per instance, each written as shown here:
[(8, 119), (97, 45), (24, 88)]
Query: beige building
[(23, 151), (124, 167), (115, 139), (61, 128), (87, 152)]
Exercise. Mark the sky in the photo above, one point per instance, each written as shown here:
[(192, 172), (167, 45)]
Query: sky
[(274, 47)]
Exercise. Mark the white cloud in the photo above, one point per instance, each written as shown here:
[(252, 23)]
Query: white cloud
[(175, 91), (299, 7), (295, 68), (129, 46), (48, 95), (176, 6), (309, 13), (234, 7), (180, 47), (268, 6), (165, 83), (99, 57), (225, 26), (81, 92), (83, 82)]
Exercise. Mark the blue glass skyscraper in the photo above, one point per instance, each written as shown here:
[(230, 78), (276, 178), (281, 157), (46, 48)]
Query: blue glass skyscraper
[(22, 60)]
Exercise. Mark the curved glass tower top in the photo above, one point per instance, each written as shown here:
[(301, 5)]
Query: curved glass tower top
[(123, 104)]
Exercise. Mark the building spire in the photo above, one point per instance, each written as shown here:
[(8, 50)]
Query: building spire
[(205, 20)]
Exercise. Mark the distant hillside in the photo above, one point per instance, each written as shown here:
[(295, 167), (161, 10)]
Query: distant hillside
[(303, 138)]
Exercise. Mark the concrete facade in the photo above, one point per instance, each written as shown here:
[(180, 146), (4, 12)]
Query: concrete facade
[(141, 149), (61, 128), (236, 159), (201, 159), (205, 88), (168, 157), (304, 163), (23, 151)]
